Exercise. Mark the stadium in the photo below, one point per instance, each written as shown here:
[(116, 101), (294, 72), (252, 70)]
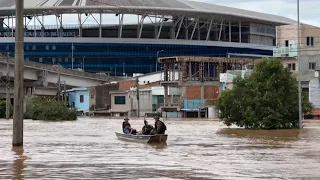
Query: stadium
[(139, 33)]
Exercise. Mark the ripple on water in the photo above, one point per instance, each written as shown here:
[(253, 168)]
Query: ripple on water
[(88, 149)]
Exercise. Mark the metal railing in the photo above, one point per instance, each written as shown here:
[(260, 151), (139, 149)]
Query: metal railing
[(285, 51)]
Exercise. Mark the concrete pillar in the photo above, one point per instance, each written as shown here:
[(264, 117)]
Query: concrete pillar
[(165, 95), (172, 33), (186, 33), (198, 32), (42, 32), (156, 31), (61, 31), (27, 99), (1, 23), (202, 92)]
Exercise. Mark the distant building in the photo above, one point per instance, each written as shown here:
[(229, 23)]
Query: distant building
[(79, 98), (287, 47), (100, 98), (125, 103)]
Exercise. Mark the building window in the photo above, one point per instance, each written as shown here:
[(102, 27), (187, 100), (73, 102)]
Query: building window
[(47, 47), (312, 66), (27, 48), (287, 43), (119, 100), (53, 60), (81, 98), (59, 60), (34, 47), (53, 47), (310, 41), (66, 60), (292, 66), (40, 60)]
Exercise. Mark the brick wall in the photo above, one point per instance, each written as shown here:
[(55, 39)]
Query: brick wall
[(211, 92), (193, 92)]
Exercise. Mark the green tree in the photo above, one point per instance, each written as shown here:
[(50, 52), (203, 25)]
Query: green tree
[(3, 109), (50, 109), (267, 99)]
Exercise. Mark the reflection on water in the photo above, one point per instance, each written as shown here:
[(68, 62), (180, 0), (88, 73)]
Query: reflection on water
[(89, 149), (274, 135), (18, 163)]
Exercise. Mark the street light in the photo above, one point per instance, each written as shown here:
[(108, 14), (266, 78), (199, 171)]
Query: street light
[(299, 62), (83, 62), (72, 47), (157, 59)]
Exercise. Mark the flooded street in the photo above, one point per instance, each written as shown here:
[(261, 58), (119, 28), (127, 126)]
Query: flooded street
[(89, 149)]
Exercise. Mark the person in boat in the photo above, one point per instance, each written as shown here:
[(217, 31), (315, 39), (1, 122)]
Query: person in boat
[(126, 127), (159, 126), (146, 129)]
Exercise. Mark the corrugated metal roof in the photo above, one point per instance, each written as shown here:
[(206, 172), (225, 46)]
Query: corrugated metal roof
[(168, 6)]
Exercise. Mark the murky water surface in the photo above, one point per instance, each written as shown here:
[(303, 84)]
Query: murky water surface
[(89, 149)]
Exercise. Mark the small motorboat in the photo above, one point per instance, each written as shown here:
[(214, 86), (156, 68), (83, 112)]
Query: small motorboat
[(160, 138)]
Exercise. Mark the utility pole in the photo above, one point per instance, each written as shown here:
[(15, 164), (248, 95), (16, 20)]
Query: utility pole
[(138, 96), (58, 83), (299, 62), (65, 92), (8, 90), (17, 139)]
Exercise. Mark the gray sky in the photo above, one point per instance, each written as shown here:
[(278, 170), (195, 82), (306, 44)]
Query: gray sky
[(309, 11)]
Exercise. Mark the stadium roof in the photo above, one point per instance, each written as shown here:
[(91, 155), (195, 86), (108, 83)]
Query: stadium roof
[(167, 7)]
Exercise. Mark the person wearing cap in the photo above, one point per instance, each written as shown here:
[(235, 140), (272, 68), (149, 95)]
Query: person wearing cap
[(159, 126), (126, 127), (146, 129)]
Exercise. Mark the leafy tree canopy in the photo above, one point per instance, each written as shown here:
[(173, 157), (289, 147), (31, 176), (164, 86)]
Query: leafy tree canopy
[(50, 109), (267, 99)]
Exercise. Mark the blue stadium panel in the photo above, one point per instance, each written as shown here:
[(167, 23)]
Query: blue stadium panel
[(117, 58)]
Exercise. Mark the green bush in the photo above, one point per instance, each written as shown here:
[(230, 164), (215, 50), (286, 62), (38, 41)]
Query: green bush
[(3, 109), (267, 99), (50, 109)]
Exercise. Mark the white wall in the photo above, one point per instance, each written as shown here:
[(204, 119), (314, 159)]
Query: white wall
[(314, 92), (145, 98), (159, 91), (155, 77)]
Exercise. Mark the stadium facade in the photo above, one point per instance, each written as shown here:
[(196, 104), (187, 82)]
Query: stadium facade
[(163, 28)]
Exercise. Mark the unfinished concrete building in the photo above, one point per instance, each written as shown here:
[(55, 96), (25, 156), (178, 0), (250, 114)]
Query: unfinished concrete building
[(198, 81)]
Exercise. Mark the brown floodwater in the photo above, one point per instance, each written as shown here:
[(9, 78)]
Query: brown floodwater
[(89, 149)]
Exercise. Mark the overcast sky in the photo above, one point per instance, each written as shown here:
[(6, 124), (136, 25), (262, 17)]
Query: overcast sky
[(309, 10)]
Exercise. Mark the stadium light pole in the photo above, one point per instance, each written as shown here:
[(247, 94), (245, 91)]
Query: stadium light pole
[(17, 138), (299, 62), (157, 59)]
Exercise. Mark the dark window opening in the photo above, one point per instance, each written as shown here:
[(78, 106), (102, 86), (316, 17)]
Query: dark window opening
[(287, 43), (81, 98), (312, 66), (120, 100)]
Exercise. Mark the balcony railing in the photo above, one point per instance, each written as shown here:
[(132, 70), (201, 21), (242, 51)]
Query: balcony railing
[(285, 51)]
